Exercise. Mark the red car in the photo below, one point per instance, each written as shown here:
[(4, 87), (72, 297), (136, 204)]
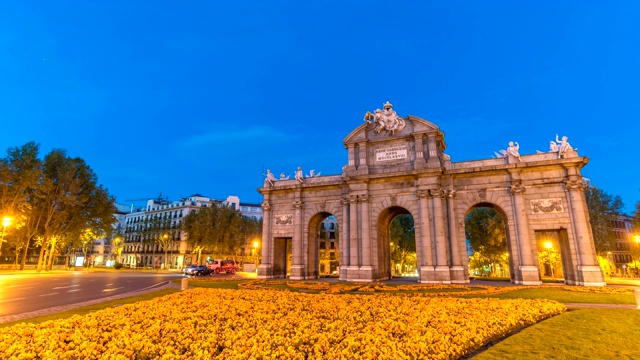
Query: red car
[(229, 266)]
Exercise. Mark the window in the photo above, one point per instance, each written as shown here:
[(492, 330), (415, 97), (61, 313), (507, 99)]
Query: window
[(322, 245), (332, 235), (333, 245), (332, 255)]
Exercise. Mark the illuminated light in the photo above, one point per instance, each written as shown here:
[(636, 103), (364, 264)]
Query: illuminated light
[(6, 221), (548, 245)]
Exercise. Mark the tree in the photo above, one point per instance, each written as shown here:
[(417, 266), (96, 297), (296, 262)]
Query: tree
[(603, 210), (485, 231), (20, 180), (403, 237)]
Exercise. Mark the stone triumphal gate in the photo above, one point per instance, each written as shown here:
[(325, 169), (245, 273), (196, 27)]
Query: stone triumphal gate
[(397, 166)]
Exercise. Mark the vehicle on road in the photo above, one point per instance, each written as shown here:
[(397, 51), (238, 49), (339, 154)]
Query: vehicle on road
[(227, 266), (187, 269), (197, 270)]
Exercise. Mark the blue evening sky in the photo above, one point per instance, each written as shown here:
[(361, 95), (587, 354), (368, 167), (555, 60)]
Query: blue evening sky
[(183, 97)]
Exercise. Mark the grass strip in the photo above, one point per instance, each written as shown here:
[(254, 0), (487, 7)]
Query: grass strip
[(576, 334)]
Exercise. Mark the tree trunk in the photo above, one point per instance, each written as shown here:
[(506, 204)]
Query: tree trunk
[(23, 262), (43, 248), (52, 254)]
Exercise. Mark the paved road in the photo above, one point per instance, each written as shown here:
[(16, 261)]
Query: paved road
[(25, 293)]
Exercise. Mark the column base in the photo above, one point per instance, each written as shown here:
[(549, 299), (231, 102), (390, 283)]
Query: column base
[(265, 271), (457, 275), (590, 276), (297, 272), (529, 275), (365, 273), (342, 271), (443, 275), (435, 275)]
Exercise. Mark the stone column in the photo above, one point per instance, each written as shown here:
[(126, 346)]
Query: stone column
[(354, 253), (366, 270), (351, 155), (297, 264), (432, 148), (424, 239), (344, 239), (420, 155), (457, 271), (362, 166), (443, 275), (265, 269), (529, 272), (589, 272)]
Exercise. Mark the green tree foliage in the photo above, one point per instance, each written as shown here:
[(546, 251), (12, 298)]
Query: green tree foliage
[(603, 210), (55, 201), (221, 230), (403, 237), (485, 231)]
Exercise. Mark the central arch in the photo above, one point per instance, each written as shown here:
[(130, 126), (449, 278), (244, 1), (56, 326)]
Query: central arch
[(385, 219)]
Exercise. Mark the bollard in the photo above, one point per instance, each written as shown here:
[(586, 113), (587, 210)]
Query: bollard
[(636, 293), (185, 284)]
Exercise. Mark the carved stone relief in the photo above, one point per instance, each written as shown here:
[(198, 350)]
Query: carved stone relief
[(547, 206), (286, 219)]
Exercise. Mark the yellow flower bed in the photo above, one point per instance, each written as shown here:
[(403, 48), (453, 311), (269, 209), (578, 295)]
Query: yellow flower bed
[(598, 289), (261, 324)]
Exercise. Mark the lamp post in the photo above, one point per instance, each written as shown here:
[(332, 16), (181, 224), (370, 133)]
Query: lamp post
[(636, 238), (6, 221), (256, 244), (549, 246)]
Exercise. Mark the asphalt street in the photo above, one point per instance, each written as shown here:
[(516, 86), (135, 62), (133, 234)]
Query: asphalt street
[(24, 293)]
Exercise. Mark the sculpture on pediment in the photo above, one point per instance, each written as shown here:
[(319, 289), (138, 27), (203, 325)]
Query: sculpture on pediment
[(283, 176), (513, 149), (563, 146), (269, 177), (299, 174), (312, 173), (385, 120)]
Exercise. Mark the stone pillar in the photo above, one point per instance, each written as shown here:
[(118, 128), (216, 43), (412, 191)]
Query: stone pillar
[(265, 270), (344, 239), (354, 253), (432, 148), (457, 271), (366, 269), (529, 272), (443, 275), (424, 239), (297, 264), (351, 155), (362, 166), (420, 155), (589, 272)]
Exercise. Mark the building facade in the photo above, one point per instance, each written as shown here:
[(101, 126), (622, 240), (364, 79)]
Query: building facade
[(152, 230)]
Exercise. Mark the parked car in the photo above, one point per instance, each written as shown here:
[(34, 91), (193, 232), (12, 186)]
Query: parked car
[(198, 270), (188, 269), (228, 266)]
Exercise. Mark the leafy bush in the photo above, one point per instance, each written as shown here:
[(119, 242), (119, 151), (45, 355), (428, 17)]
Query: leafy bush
[(118, 266)]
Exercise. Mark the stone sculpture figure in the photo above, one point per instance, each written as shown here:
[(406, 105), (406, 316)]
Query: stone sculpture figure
[(386, 120), (563, 146), (513, 150), (283, 176), (502, 154), (269, 177), (299, 175), (312, 173)]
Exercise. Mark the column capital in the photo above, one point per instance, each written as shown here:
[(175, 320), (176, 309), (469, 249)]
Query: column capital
[(364, 198), (575, 184), (344, 201), (352, 199), (422, 194), (439, 192), (517, 187), (297, 204), (265, 207)]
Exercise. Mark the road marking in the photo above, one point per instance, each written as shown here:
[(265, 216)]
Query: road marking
[(72, 290), (6, 301), (49, 294), (114, 289), (64, 287)]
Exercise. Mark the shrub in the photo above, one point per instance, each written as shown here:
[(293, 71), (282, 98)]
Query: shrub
[(118, 266)]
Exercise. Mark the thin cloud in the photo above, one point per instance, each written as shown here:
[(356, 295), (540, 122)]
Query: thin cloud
[(218, 137)]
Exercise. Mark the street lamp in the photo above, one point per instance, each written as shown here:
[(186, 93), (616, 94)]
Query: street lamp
[(256, 244), (6, 221), (549, 246)]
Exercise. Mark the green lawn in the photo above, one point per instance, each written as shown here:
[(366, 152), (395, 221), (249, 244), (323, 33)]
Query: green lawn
[(565, 296), (576, 334)]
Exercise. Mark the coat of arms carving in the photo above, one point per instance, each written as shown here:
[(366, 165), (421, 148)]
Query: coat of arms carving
[(284, 219), (385, 120)]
